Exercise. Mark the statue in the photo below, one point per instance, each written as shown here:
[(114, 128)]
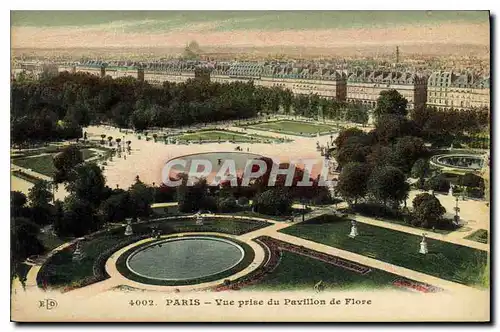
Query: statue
[(450, 191), (78, 255), (423, 245), (199, 218), (128, 229), (354, 230)]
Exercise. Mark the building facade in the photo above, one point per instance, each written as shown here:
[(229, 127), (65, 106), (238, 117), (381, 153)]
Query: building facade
[(365, 87), (441, 90), (448, 90)]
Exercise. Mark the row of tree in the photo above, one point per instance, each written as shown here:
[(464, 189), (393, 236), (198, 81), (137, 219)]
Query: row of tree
[(57, 107)]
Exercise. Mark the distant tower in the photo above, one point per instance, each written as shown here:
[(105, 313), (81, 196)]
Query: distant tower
[(397, 55)]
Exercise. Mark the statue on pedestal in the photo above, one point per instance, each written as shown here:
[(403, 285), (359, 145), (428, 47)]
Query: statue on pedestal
[(450, 191), (78, 255), (354, 229), (128, 229), (423, 245), (199, 218)]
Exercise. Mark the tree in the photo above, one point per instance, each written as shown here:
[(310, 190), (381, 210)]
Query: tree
[(438, 183), (117, 207), (471, 180), (87, 183), (227, 204), (40, 194), (274, 202), (354, 149), (347, 133), (420, 170), (79, 218), (110, 139), (427, 211), (391, 102), (388, 183), (141, 198), (390, 127), (406, 151), (18, 202), (103, 136), (190, 198), (65, 161), (352, 184), (24, 239)]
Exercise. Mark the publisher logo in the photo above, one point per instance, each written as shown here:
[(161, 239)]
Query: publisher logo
[(47, 304)]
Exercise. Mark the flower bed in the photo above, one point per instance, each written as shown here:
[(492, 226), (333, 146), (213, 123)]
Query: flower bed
[(416, 286), (273, 251)]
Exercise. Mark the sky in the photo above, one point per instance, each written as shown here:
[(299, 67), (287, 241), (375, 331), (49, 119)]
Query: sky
[(258, 29), (144, 21)]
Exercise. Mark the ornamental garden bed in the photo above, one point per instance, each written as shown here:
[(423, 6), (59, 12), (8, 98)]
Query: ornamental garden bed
[(481, 236), (291, 267), (60, 271), (445, 260), (294, 127), (221, 136)]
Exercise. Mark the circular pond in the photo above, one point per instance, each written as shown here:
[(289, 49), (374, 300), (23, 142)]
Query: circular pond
[(185, 259), (459, 161)]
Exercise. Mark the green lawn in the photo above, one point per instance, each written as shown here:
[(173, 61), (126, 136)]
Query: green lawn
[(44, 164), (223, 136), (40, 164), (61, 270), (481, 235), (87, 153), (298, 272), (445, 260), (221, 225), (294, 127), (51, 241)]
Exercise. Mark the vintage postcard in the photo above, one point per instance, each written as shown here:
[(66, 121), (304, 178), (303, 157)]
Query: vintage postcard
[(250, 166)]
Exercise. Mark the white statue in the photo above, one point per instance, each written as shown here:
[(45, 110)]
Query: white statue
[(423, 245), (354, 229), (78, 255), (199, 219), (128, 229)]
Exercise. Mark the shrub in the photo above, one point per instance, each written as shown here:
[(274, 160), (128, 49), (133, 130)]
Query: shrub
[(377, 210), (227, 204), (438, 183), (243, 201), (276, 202), (428, 212)]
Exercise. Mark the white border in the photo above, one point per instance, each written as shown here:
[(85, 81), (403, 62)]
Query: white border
[(214, 4)]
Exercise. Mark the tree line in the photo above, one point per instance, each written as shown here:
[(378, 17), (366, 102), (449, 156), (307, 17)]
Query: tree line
[(57, 107)]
